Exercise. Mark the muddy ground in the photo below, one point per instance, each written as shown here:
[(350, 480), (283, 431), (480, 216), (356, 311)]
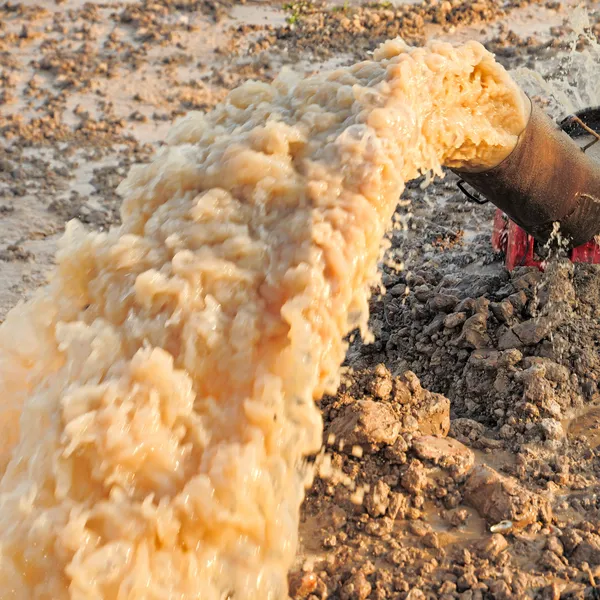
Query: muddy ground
[(477, 408)]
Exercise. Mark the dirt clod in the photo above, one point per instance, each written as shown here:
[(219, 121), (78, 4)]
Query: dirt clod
[(498, 498)]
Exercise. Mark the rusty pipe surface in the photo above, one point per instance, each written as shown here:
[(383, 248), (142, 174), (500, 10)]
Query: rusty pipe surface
[(546, 179)]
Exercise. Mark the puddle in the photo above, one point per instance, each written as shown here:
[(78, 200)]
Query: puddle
[(473, 529), (586, 424)]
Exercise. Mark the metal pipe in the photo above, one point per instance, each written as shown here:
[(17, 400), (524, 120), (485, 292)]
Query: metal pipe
[(546, 179)]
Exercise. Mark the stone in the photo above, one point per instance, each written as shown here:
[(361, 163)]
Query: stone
[(423, 293), (301, 584), (552, 429), (419, 528), (446, 452), (466, 305), (492, 546), (500, 590), (398, 290), (366, 423), (587, 551), (533, 331), (377, 500), (455, 319), (443, 303), (474, 332), (503, 311), (553, 544), (529, 280), (518, 300), (421, 412), (509, 340), (356, 588), (414, 478), (398, 506), (381, 385), (499, 498), (433, 415)]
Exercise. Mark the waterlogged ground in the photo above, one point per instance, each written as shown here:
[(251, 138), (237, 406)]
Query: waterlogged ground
[(478, 404)]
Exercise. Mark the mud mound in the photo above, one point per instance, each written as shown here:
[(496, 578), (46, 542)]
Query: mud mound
[(505, 349), (404, 511)]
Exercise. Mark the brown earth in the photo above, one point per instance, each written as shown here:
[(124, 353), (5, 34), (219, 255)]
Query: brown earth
[(476, 407)]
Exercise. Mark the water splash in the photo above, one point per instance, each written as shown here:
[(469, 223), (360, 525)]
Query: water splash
[(569, 82)]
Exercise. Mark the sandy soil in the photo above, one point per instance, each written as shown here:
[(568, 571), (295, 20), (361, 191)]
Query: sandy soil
[(477, 404)]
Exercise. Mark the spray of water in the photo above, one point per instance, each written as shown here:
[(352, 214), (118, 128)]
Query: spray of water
[(569, 82)]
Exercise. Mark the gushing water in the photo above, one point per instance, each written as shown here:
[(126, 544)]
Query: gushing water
[(158, 395)]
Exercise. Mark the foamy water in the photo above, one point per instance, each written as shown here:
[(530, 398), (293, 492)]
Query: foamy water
[(158, 394)]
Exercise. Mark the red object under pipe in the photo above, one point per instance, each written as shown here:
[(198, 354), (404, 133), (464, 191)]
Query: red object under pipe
[(519, 247)]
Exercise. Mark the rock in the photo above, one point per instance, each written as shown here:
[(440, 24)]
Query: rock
[(587, 551), (474, 332), (338, 517), (436, 325), (443, 303), (445, 452), (381, 385), (412, 382), (398, 290), (492, 444), (459, 517), (377, 501), (419, 528), (366, 423), (500, 590), (399, 505), (423, 293), (534, 330), (551, 592), (499, 498), (421, 411), (538, 390), (529, 280), (455, 319), (356, 588), (552, 371), (414, 478), (467, 305), (492, 546), (503, 311), (570, 539), (466, 429), (433, 415), (302, 584), (553, 544), (6, 166), (518, 300), (552, 429), (396, 453), (431, 540), (509, 340), (481, 305)]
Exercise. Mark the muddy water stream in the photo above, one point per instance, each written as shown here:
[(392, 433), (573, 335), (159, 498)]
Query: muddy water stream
[(159, 393)]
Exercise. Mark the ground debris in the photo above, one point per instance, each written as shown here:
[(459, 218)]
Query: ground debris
[(498, 498)]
